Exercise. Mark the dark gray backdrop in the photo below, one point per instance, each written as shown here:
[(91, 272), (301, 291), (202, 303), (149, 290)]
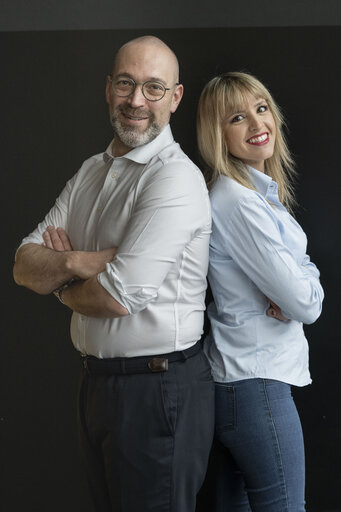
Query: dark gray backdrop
[(53, 117)]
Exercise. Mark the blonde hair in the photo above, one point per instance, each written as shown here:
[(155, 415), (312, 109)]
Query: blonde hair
[(224, 94)]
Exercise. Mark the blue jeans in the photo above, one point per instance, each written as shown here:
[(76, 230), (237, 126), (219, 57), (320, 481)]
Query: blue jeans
[(263, 470)]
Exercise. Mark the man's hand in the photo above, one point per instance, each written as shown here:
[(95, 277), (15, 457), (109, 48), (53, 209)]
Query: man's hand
[(57, 239), (83, 264), (86, 264), (274, 311)]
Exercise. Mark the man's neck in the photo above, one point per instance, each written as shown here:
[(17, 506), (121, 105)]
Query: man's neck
[(118, 148)]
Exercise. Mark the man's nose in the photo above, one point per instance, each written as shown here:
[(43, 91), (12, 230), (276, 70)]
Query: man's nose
[(136, 98)]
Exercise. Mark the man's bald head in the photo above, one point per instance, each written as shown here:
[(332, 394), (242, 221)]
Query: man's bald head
[(158, 44)]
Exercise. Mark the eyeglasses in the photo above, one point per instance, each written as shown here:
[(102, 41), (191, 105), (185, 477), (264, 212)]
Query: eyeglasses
[(124, 86)]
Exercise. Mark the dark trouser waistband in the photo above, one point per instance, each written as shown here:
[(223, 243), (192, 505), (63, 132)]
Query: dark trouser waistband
[(139, 364)]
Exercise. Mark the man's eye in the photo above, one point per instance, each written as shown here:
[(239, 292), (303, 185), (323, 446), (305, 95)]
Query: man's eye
[(123, 83), (154, 86)]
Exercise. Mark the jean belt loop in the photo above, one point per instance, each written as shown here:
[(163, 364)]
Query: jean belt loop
[(184, 355), (85, 364)]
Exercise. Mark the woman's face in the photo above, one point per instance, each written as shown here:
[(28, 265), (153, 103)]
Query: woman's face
[(250, 133)]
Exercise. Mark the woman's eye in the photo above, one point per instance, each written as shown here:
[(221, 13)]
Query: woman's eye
[(262, 108), (237, 118)]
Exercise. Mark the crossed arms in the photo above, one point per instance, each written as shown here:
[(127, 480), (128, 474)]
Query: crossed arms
[(45, 268)]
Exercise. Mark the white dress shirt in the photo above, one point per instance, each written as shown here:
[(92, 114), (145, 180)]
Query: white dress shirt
[(258, 250), (151, 203)]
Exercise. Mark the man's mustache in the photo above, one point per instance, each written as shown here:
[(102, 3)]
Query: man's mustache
[(134, 112)]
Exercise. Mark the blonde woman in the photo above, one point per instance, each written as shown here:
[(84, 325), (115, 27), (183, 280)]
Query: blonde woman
[(264, 288)]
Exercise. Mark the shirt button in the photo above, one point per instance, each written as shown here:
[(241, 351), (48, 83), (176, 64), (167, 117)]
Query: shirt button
[(100, 209), (114, 175)]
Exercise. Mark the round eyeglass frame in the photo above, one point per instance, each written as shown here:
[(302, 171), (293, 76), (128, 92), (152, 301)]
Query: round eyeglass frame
[(165, 89)]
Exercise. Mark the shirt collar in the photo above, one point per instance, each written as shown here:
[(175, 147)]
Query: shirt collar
[(263, 183), (143, 154)]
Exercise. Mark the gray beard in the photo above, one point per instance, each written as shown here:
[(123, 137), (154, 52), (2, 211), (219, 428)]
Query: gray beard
[(131, 137)]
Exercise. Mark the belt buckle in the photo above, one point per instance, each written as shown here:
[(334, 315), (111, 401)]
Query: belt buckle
[(158, 364)]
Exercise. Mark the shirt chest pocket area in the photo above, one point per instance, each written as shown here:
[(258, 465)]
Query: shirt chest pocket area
[(100, 225), (111, 229)]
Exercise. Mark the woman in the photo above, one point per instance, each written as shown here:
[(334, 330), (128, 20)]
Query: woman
[(264, 287)]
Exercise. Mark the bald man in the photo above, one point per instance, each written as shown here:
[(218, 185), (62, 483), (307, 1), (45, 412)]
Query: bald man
[(125, 247)]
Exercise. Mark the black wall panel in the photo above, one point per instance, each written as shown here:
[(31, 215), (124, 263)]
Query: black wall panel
[(54, 116)]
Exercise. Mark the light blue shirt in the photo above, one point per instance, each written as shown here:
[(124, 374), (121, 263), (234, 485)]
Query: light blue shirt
[(258, 250)]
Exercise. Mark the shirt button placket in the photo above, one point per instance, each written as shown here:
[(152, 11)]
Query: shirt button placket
[(112, 175)]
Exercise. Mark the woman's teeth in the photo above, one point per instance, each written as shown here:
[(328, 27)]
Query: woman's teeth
[(259, 139)]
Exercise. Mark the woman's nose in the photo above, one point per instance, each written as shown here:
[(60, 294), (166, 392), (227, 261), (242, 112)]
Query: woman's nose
[(255, 123)]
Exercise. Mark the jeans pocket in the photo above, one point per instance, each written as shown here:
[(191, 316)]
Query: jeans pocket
[(169, 393), (225, 407)]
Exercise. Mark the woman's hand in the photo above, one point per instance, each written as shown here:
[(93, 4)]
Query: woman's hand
[(274, 311)]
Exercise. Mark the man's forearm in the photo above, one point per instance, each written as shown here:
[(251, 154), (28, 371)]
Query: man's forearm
[(41, 269), (89, 298)]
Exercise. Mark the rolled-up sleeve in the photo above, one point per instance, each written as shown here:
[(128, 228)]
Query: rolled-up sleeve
[(254, 242), (171, 208)]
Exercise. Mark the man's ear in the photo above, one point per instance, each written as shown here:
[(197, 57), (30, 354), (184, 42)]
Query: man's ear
[(108, 89), (177, 95)]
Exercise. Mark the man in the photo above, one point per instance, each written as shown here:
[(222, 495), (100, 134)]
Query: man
[(125, 247)]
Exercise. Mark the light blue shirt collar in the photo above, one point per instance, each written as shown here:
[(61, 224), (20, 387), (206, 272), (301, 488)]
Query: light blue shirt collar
[(265, 185)]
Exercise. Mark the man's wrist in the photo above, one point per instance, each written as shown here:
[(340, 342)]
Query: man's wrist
[(58, 292)]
